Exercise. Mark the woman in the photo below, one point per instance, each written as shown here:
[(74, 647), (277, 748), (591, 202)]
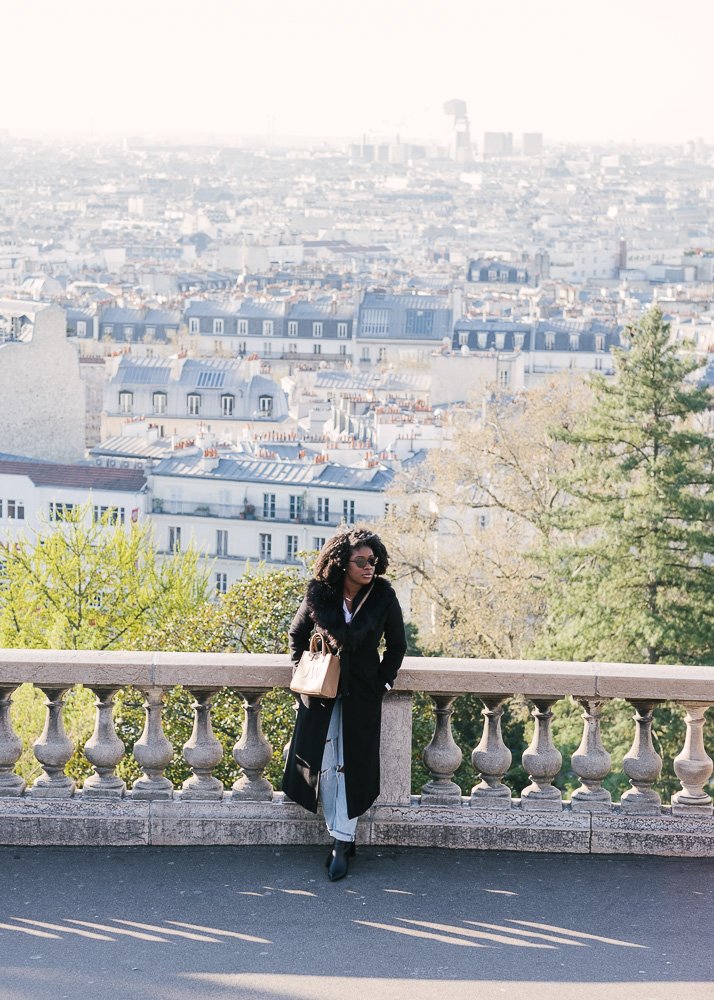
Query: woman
[(334, 752)]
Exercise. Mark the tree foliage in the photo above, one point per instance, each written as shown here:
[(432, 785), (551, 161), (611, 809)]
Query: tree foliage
[(462, 525), (93, 584), (628, 567)]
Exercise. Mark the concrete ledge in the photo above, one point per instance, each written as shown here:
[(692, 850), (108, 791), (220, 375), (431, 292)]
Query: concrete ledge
[(82, 822)]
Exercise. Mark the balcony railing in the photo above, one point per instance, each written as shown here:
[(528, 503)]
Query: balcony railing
[(53, 811), (252, 512)]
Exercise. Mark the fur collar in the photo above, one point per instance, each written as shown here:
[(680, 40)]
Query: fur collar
[(325, 606)]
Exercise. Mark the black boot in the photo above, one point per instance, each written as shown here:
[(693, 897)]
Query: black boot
[(339, 864), (352, 849)]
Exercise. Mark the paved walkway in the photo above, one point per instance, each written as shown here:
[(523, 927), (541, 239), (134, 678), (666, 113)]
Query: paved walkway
[(264, 923)]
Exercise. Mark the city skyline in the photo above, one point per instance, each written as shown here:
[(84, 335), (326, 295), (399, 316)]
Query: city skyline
[(600, 72)]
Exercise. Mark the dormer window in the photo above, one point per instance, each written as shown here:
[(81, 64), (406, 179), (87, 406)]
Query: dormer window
[(599, 342), (519, 340), (242, 327), (159, 401), (292, 328), (463, 338), (317, 329), (549, 341), (500, 341), (193, 404), (218, 327), (574, 341), (194, 325), (482, 340), (126, 401), (265, 405), (267, 328), (227, 405)]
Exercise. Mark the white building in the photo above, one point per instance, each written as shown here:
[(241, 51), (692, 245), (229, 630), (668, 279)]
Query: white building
[(240, 510), (40, 384)]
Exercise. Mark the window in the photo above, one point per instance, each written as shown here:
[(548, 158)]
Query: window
[(242, 347), (193, 401), (174, 539), (265, 405), (268, 505), (598, 364), (518, 340), (265, 546), (227, 405), (60, 511), (317, 542), (492, 275), (16, 510), (504, 377), (0, 508), (221, 583), (343, 349), (503, 275), (291, 548), (317, 329), (292, 348), (341, 330), (463, 338), (382, 356), (296, 507), (348, 511), (108, 330), (267, 348), (242, 327), (267, 328), (112, 515), (549, 341), (218, 327), (126, 401), (574, 341), (599, 342), (81, 328), (482, 339), (221, 542), (365, 354), (128, 332), (194, 325), (159, 401), (500, 341), (292, 328), (323, 508), (375, 321), (150, 333), (317, 348)]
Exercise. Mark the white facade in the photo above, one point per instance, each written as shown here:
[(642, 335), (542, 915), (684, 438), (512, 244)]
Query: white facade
[(44, 410)]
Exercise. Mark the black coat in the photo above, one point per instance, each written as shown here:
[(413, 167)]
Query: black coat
[(363, 675)]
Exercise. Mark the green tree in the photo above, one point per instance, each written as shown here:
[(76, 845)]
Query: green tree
[(628, 574), (93, 584)]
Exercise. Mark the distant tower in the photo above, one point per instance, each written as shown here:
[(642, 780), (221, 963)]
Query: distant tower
[(463, 152)]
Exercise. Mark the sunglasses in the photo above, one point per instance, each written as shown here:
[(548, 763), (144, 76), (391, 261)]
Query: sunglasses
[(360, 561)]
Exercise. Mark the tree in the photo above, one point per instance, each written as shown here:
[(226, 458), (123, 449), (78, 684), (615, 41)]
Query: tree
[(462, 525), (628, 568), (93, 584)]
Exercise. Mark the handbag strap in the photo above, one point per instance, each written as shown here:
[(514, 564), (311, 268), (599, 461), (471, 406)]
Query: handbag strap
[(357, 609)]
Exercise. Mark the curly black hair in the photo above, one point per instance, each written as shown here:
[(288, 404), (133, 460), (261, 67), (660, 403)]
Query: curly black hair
[(331, 563)]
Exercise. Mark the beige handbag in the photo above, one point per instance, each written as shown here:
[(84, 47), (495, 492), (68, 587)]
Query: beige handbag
[(318, 672)]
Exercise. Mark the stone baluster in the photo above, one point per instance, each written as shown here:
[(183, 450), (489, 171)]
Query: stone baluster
[(10, 748), (591, 762), (491, 759), (542, 761), (442, 757), (53, 749), (693, 766), (203, 752), (642, 765), (104, 750), (252, 753), (153, 752)]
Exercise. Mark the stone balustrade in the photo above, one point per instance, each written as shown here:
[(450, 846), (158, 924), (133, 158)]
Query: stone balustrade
[(53, 811)]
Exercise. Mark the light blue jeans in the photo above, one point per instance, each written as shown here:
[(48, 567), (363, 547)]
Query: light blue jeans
[(333, 794)]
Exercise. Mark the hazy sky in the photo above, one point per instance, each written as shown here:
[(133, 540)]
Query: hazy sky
[(573, 69)]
